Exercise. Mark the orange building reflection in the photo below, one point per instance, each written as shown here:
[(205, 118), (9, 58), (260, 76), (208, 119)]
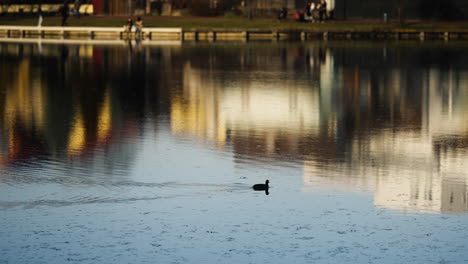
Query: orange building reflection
[(64, 102), (41, 115), (23, 101), (79, 141)]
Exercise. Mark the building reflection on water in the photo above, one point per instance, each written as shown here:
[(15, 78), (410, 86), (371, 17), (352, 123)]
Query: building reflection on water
[(388, 118)]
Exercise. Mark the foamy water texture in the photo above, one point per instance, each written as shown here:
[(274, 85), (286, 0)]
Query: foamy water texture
[(147, 154)]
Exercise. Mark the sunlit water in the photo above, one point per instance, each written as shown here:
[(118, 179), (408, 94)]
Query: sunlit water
[(146, 154)]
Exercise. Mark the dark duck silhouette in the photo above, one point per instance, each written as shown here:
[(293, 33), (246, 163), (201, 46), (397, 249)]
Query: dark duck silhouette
[(262, 187)]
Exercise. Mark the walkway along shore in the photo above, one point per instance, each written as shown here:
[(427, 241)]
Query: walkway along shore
[(159, 33)]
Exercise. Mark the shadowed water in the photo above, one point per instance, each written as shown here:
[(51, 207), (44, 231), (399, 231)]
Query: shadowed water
[(165, 141)]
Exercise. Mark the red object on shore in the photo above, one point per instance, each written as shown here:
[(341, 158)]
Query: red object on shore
[(97, 6)]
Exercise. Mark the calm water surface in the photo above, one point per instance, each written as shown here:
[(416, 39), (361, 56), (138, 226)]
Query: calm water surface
[(131, 152)]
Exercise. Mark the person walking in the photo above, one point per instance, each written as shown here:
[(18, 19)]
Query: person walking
[(40, 19), (77, 5), (64, 13)]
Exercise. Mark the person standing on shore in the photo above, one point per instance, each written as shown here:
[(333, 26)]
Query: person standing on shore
[(139, 27), (129, 25), (323, 10)]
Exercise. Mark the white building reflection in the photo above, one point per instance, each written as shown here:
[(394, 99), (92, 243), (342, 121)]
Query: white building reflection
[(412, 154), (256, 114), (414, 166)]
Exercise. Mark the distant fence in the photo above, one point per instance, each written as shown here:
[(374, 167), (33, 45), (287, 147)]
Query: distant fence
[(21, 32)]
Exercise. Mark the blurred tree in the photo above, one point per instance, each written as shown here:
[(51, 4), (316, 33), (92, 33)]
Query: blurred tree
[(401, 5), (200, 8)]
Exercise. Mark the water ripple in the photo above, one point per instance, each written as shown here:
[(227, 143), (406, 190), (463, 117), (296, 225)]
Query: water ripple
[(135, 190)]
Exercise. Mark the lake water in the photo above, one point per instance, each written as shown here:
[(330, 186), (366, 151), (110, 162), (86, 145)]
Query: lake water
[(137, 153)]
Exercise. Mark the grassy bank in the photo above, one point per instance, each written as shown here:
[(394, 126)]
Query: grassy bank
[(239, 23)]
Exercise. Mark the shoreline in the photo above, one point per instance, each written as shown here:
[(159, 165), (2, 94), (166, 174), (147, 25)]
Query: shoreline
[(215, 34), (216, 28)]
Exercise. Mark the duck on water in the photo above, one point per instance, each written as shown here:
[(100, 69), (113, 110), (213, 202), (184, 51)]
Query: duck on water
[(262, 187)]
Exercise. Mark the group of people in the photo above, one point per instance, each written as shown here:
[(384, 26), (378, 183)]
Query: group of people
[(321, 7), (314, 11), (138, 26)]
